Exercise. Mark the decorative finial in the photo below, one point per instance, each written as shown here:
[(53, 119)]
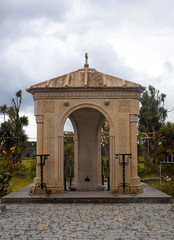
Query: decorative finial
[(86, 60)]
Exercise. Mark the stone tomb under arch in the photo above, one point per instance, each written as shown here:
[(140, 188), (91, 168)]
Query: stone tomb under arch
[(87, 97)]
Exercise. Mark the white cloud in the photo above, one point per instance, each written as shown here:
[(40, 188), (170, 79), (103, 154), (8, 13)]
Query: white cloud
[(31, 130), (44, 39), (68, 125)]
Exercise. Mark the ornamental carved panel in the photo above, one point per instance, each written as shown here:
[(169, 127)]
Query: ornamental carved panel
[(48, 107), (124, 106), (122, 146), (122, 135), (91, 94), (50, 148)]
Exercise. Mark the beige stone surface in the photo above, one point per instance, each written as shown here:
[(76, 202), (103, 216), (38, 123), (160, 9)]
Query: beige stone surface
[(87, 97)]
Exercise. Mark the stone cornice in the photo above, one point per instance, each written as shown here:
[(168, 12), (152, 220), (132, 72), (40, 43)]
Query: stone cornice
[(96, 93)]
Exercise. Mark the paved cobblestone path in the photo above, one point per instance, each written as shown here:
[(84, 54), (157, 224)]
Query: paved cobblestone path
[(87, 221)]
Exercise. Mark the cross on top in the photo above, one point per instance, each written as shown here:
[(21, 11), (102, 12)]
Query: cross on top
[(86, 60), (86, 57)]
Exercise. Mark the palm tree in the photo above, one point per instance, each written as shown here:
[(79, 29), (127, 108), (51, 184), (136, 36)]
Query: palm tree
[(4, 110)]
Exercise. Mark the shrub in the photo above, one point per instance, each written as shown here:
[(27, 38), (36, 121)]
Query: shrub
[(168, 187), (146, 169), (5, 177)]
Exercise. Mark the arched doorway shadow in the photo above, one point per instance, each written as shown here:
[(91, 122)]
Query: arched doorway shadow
[(87, 123)]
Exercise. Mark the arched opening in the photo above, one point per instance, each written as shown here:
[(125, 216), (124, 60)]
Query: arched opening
[(68, 154), (87, 140), (105, 153)]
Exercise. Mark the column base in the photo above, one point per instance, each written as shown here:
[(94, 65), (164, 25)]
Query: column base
[(36, 180), (135, 180), (84, 186), (53, 189)]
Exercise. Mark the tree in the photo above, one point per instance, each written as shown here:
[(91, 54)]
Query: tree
[(105, 138), (5, 175), (165, 139), (12, 133), (152, 111), (105, 141), (68, 153), (4, 110), (164, 147)]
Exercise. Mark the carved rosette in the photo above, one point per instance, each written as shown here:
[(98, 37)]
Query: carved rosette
[(106, 102)]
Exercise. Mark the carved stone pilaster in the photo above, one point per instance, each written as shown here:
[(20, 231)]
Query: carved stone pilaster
[(50, 147), (113, 175), (123, 135), (60, 172), (39, 150), (133, 146), (76, 165)]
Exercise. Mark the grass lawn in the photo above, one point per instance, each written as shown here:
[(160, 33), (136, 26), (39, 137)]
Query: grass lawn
[(17, 183), (167, 187), (23, 174), (148, 172)]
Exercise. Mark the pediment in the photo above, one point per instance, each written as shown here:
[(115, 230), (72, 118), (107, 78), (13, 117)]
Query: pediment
[(86, 78)]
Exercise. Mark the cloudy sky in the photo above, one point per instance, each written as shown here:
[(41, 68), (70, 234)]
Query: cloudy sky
[(42, 39)]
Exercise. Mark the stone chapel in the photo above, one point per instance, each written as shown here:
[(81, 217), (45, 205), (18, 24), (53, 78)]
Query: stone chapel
[(87, 97)]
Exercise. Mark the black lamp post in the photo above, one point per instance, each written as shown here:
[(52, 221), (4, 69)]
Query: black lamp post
[(41, 185)]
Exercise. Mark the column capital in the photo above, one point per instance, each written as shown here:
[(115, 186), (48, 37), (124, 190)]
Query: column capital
[(133, 118), (39, 119), (111, 132)]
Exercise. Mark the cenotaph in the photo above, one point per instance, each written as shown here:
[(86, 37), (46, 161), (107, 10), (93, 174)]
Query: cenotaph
[(87, 97)]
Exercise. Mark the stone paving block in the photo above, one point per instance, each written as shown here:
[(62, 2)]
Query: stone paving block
[(88, 221)]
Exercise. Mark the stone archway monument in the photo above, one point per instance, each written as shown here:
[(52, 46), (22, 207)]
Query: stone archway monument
[(87, 97)]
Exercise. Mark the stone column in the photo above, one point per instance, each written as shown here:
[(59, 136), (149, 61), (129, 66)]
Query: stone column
[(39, 150), (60, 163), (76, 160), (133, 149), (113, 175), (99, 177)]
